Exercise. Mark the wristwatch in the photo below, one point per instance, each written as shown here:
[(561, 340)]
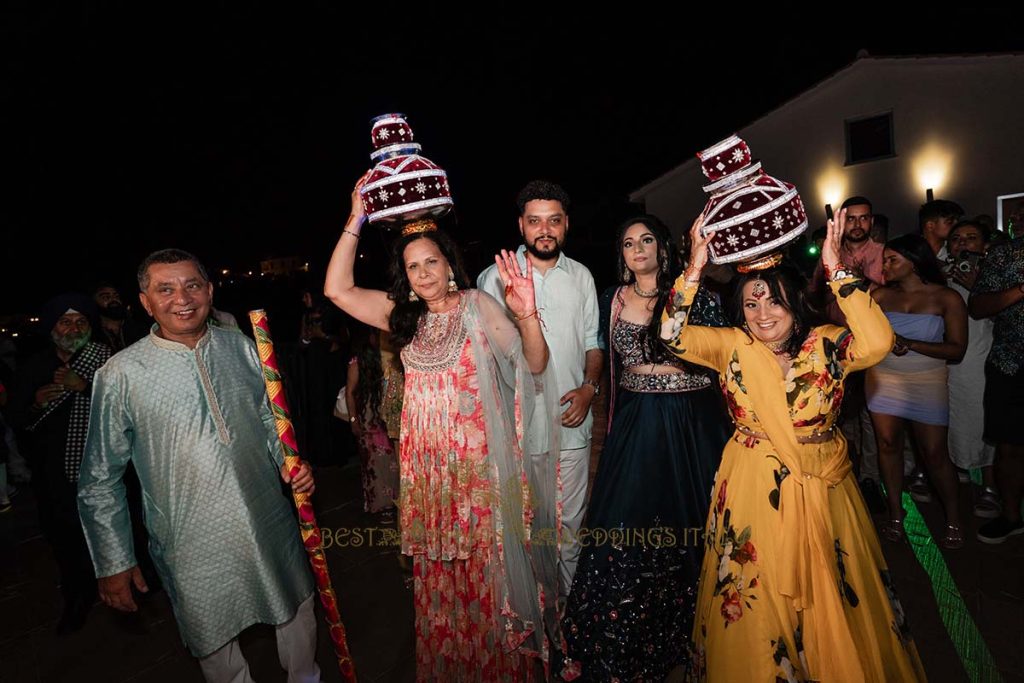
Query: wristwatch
[(842, 273), (594, 383)]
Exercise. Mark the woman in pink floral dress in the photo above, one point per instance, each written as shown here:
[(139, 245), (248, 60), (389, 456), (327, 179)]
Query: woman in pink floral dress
[(471, 513), (364, 389)]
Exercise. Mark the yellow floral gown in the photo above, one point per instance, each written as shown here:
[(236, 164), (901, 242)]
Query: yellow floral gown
[(793, 586)]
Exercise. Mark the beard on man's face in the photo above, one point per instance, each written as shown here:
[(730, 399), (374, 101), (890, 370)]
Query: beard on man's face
[(114, 311), (550, 250), (71, 342), (857, 234)]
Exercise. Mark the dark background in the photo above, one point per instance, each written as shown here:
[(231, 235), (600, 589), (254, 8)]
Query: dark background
[(238, 133)]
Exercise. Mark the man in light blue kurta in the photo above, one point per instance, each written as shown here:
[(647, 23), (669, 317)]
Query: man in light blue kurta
[(567, 301), (187, 405)]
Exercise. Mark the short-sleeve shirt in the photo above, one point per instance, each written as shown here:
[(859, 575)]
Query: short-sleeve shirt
[(1003, 268)]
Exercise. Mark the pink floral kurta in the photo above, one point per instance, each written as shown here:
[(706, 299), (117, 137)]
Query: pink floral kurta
[(450, 511), (378, 467)]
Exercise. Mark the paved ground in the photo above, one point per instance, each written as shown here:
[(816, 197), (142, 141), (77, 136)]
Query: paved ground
[(984, 594)]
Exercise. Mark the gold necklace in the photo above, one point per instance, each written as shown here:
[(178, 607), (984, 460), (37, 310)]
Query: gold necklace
[(645, 293), (778, 347)]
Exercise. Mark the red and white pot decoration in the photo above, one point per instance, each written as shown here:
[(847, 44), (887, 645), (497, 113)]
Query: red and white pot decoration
[(403, 185), (749, 213)]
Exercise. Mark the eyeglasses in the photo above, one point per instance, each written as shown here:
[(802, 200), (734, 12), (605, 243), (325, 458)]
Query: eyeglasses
[(866, 218)]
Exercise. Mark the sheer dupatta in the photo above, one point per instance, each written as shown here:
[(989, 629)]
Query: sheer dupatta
[(523, 426)]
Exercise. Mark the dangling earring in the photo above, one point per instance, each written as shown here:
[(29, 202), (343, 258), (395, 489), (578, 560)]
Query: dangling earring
[(627, 275), (412, 296), (664, 265), (452, 285)]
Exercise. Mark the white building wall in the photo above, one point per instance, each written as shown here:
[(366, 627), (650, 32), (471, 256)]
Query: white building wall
[(958, 128)]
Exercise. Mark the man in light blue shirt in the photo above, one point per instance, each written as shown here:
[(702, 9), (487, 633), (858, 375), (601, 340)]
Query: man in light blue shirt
[(188, 407), (567, 303)]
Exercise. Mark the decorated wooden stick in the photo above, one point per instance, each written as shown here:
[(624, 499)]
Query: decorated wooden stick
[(307, 520)]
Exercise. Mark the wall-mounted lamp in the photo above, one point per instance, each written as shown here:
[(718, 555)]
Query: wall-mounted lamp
[(932, 168)]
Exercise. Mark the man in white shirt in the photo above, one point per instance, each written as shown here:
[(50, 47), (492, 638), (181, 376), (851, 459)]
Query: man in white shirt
[(567, 303)]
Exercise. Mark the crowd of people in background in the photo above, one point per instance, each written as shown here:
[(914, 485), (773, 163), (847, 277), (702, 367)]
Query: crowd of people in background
[(938, 407), (470, 413)]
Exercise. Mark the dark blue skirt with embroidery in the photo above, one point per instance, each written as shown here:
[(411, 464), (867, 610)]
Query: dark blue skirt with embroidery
[(630, 612)]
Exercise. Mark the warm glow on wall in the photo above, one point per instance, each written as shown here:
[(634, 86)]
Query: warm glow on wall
[(831, 187), (932, 167)]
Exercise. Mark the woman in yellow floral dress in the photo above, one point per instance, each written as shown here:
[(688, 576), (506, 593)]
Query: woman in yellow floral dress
[(793, 586)]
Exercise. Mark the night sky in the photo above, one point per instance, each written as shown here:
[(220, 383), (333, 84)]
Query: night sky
[(238, 133)]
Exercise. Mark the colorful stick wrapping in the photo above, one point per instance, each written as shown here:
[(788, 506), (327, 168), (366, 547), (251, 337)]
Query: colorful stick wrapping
[(308, 527)]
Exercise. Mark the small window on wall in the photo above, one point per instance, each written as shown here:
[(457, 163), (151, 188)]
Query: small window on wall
[(869, 138)]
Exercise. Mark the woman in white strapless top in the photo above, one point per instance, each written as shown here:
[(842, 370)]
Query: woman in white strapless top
[(909, 386)]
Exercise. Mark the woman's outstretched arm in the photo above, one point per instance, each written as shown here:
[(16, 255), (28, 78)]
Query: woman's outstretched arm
[(370, 306)]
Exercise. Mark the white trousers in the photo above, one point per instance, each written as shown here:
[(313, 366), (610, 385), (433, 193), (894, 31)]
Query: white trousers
[(296, 648), (575, 472)]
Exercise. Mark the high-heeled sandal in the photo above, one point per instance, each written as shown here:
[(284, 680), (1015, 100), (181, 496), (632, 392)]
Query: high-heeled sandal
[(954, 538), (893, 531)]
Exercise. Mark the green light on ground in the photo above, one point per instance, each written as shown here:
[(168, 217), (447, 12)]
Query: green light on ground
[(967, 640)]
